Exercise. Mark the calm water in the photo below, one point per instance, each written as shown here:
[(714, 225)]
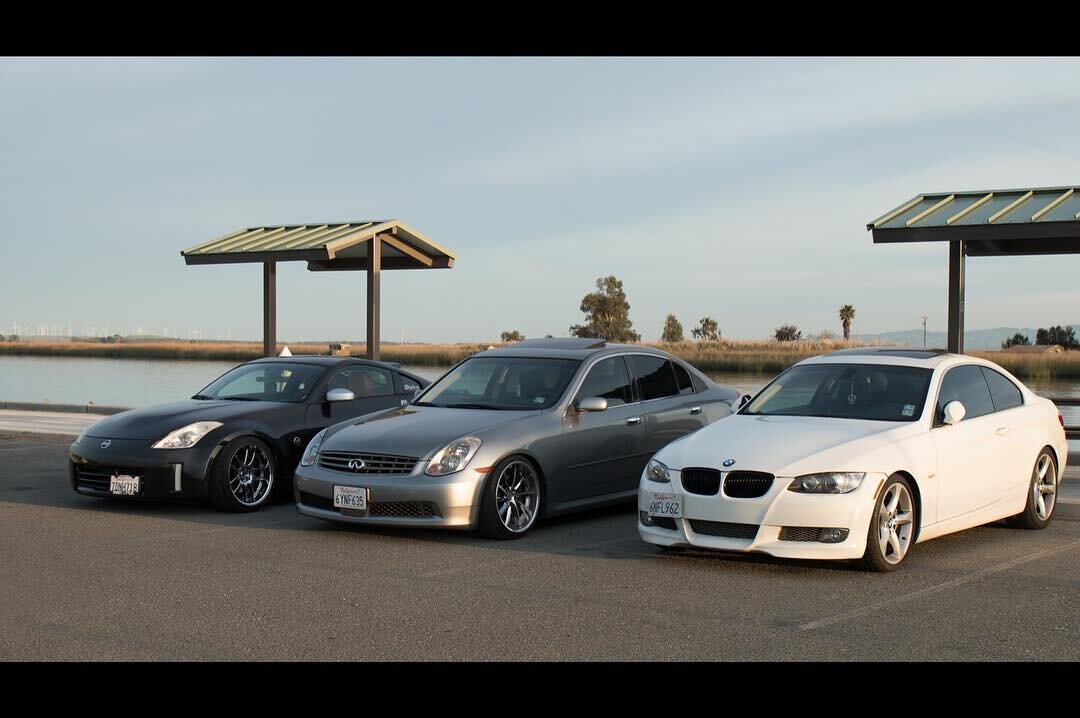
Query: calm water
[(133, 382)]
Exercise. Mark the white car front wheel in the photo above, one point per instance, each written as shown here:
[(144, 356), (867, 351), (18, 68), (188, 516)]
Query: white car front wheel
[(892, 526)]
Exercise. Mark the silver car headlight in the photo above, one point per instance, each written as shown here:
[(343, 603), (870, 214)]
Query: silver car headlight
[(311, 453), (830, 482), (187, 436), (453, 457), (657, 471)]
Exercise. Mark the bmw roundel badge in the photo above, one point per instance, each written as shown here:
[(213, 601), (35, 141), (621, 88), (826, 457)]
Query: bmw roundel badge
[(729, 462)]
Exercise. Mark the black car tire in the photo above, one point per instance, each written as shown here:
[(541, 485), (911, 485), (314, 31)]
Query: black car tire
[(508, 471), (255, 453), (1029, 518)]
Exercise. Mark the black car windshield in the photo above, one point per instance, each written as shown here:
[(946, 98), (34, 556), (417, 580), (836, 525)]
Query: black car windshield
[(877, 392), (265, 381), (515, 383)]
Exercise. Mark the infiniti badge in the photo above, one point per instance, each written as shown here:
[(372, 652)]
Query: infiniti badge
[(106, 444), (729, 462), (356, 464)]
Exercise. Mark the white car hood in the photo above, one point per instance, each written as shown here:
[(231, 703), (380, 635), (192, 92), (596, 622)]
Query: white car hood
[(782, 445)]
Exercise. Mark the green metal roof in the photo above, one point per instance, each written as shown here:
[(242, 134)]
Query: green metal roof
[(1042, 220), (337, 245)]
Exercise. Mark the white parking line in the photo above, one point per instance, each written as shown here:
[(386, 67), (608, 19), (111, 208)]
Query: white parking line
[(841, 617)]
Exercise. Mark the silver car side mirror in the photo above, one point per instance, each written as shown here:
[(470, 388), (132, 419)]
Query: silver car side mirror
[(593, 403), (954, 413), (340, 394)]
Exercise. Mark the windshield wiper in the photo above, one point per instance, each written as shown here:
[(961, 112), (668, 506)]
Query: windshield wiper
[(469, 406), (202, 397), (239, 398)]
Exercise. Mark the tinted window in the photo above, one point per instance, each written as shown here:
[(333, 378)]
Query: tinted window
[(848, 391), (364, 381), (269, 381), (1005, 394), (966, 385), (655, 376), (682, 379), (608, 378), (502, 383)]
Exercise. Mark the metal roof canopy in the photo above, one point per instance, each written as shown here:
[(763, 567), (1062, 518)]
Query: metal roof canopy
[(341, 246), (997, 223)]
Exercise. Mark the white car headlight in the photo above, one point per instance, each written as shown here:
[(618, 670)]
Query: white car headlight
[(187, 436), (311, 453), (657, 471), (831, 482), (453, 457)]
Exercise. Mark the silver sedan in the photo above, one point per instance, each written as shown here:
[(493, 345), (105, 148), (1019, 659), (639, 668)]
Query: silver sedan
[(509, 435)]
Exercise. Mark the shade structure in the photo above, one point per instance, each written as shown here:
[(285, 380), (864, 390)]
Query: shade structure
[(369, 246), (984, 223)]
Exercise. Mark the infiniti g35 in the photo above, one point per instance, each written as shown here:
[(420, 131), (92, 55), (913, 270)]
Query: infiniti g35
[(544, 427)]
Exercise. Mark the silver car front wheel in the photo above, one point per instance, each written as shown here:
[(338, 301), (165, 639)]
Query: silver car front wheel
[(511, 501)]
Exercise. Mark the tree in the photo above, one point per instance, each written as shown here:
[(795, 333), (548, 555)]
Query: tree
[(847, 313), (672, 330), (1017, 339), (514, 336), (1065, 336), (607, 313), (788, 333), (707, 330)]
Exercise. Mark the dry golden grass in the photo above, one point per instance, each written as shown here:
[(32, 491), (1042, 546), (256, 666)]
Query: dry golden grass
[(726, 355)]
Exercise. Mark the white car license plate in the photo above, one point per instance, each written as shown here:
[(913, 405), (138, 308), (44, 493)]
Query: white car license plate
[(121, 485), (350, 497), (669, 505)]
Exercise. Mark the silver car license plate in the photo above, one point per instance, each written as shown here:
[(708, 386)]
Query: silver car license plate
[(350, 497)]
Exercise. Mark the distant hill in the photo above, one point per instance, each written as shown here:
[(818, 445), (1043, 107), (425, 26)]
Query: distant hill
[(973, 338)]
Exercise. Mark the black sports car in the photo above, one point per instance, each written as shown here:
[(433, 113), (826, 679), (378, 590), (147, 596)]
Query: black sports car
[(239, 437)]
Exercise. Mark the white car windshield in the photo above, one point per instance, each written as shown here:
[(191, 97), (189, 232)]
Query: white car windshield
[(876, 392), (502, 383)]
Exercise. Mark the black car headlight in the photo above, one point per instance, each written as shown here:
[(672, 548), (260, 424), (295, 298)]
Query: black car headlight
[(829, 482)]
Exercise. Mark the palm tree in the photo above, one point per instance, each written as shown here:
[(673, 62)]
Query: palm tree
[(847, 313)]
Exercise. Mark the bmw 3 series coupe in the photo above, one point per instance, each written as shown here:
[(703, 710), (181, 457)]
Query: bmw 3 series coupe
[(234, 440), (509, 435), (860, 454)]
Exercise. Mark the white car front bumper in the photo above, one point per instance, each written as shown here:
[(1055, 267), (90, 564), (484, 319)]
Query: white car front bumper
[(756, 525)]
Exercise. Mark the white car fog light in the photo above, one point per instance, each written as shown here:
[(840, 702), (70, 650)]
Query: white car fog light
[(832, 535)]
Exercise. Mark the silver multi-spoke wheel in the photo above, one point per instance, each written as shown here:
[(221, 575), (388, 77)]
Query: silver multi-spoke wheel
[(895, 522), (517, 496), (251, 474), (1044, 487)]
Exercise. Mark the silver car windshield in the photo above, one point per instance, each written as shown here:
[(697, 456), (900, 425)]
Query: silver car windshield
[(508, 383), (876, 392)]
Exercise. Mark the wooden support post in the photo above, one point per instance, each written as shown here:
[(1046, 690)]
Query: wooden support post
[(956, 297), (373, 271), (269, 309)]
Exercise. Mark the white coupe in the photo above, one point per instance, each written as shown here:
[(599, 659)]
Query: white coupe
[(858, 455)]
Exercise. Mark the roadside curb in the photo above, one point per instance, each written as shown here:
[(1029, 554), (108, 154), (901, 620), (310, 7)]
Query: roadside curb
[(64, 408), (37, 436)]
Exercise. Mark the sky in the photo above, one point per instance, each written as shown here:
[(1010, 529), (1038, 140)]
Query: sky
[(729, 187)]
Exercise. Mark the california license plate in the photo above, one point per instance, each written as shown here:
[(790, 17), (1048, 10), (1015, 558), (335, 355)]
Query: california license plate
[(122, 485), (350, 497), (669, 505)]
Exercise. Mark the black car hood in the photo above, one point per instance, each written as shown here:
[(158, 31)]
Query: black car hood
[(413, 430), (154, 422)]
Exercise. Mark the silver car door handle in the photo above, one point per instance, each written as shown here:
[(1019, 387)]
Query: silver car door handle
[(696, 410), (633, 420), (1002, 431)]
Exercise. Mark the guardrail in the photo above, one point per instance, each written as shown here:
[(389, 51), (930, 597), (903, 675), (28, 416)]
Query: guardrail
[(1071, 432)]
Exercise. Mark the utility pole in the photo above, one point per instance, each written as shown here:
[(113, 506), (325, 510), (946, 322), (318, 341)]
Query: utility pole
[(924, 331)]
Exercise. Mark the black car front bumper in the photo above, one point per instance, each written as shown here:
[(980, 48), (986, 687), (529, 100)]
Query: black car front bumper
[(163, 473)]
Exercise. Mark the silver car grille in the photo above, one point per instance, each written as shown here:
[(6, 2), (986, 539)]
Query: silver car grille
[(350, 462)]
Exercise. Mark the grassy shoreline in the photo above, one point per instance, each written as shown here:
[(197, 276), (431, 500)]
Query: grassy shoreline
[(735, 356)]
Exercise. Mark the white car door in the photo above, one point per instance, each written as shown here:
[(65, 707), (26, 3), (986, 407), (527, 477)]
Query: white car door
[(971, 453), (1018, 429)]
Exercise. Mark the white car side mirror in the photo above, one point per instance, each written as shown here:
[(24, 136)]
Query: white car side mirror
[(954, 413)]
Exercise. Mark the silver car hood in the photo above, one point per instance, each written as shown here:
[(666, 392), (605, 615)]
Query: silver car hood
[(414, 430)]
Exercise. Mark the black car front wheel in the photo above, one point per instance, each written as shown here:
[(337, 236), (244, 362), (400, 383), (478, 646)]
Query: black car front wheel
[(243, 474)]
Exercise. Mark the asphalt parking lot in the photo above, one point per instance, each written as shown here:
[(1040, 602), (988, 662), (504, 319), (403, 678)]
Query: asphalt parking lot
[(89, 579)]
